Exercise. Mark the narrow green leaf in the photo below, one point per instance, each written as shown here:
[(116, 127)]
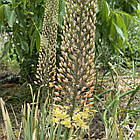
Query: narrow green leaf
[(7, 11), (105, 11), (112, 31), (138, 121), (21, 17), (61, 12), (52, 131), (132, 96), (13, 3), (6, 49), (9, 0), (116, 101), (130, 91), (59, 132), (12, 137)]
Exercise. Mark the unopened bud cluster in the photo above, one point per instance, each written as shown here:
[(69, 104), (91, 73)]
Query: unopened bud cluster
[(76, 71), (46, 70)]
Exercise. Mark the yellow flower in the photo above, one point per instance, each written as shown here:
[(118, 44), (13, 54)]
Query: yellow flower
[(81, 124), (57, 112), (86, 109), (66, 107), (84, 115), (67, 122), (63, 115), (76, 110), (76, 117), (51, 85), (55, 120)]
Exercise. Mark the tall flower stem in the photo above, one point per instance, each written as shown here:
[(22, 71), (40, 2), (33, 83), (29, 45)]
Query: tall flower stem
[(46, 71), (76, 73)]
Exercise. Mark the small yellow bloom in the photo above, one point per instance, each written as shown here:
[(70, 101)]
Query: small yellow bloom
[(57, 112), (76, 110), (63, 115), (84, 115), (76, 117), (55, 120), (86, 109), (51, 85), (81, 124), (67, 122)]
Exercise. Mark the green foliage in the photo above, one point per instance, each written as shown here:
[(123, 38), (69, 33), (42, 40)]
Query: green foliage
[(113, 20), (133, 53), (43, 122), (22, 21)]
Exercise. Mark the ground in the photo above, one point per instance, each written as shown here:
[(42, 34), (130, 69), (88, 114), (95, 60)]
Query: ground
[(14, 94)]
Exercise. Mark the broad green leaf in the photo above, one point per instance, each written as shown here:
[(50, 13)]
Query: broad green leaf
[(1, 14), (24, 46), (33, 37), (7, 11), (37, 40), (25, 1), (12, 18), (121, 24), (120, 32), (19, 52), (9, 15), (105, 11), (112, 31)]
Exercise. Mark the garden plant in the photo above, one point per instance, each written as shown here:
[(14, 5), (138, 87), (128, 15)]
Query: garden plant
[(79, 62)]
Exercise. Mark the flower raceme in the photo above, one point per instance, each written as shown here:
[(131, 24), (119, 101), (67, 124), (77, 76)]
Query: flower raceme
[(46, 70), (76, 68)]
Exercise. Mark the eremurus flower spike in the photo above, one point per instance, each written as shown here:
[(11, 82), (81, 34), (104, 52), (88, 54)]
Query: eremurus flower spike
[(77, 60), (46, 70)]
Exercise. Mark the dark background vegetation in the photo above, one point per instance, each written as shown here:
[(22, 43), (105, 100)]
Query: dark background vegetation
[(117, 33)]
